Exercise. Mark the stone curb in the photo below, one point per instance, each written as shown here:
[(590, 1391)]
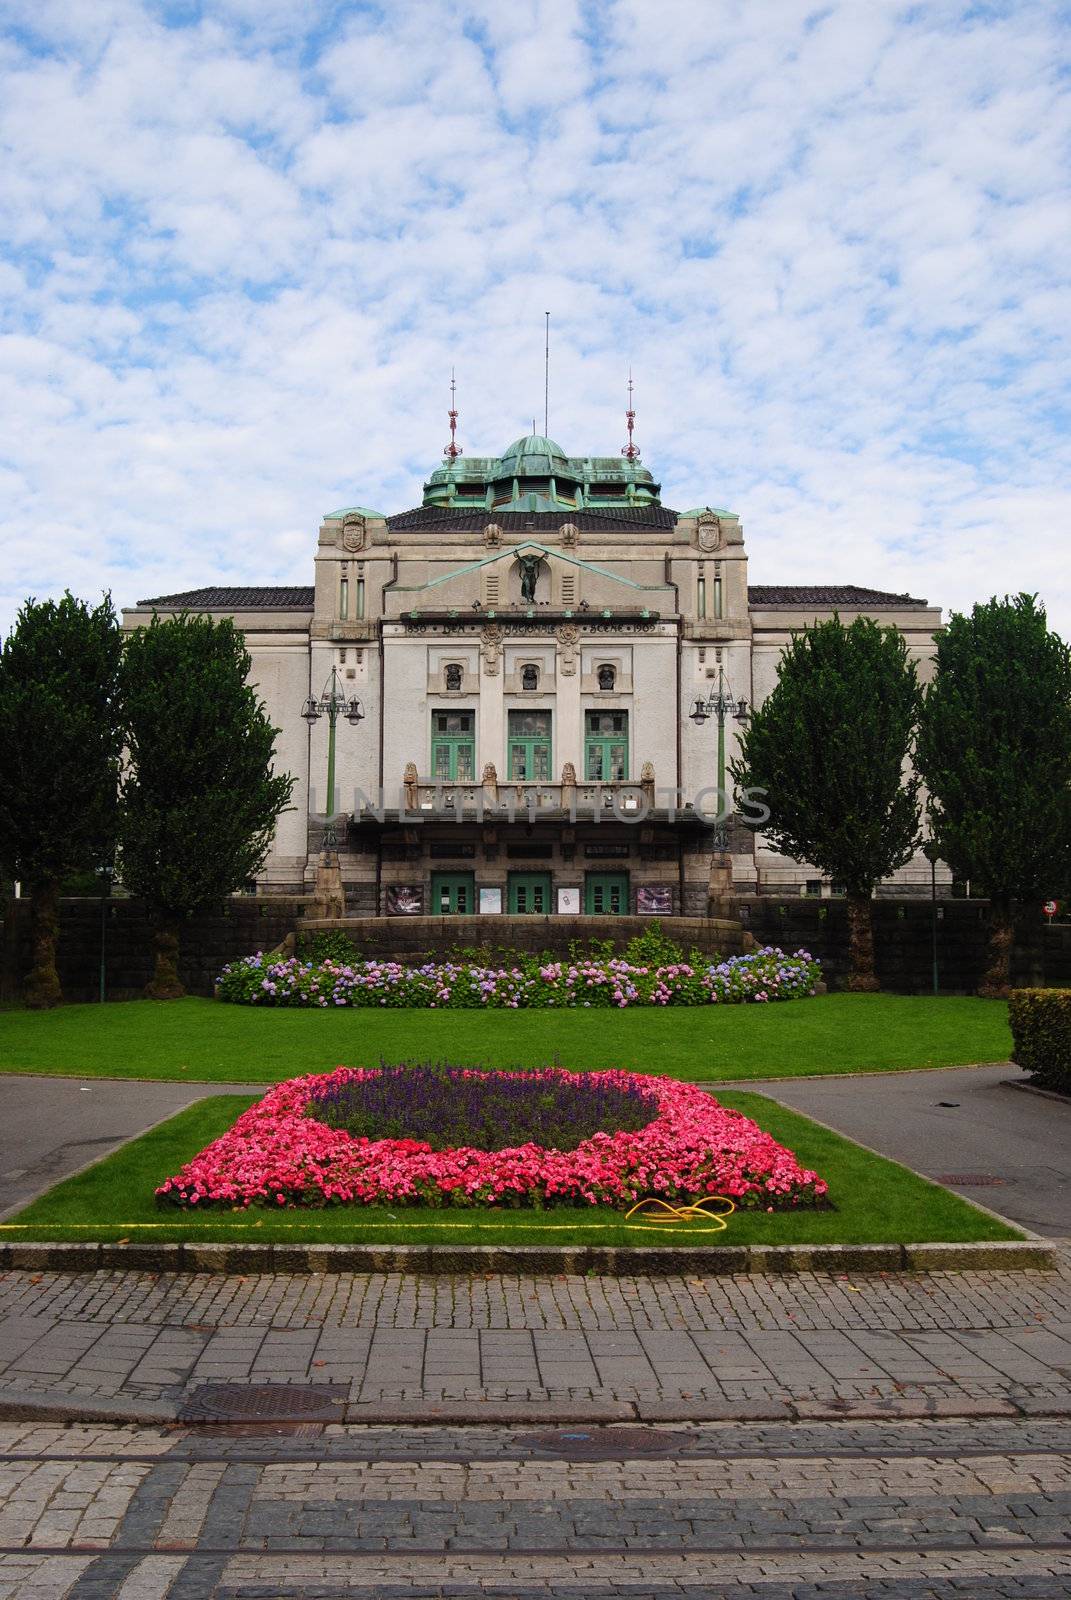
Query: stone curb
[(1009, 1255), (1036, 1089), (33, 1405)]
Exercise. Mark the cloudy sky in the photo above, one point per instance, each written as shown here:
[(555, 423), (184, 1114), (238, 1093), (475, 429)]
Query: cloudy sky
[(243, 242)]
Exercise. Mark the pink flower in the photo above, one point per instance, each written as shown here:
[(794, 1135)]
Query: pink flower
[(691, 1146)]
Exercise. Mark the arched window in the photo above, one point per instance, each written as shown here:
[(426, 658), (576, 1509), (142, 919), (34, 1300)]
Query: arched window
[(453, 677), (607, 677), (529, 678)]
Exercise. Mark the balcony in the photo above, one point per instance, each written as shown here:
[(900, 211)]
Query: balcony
[(418, 800), (527, 802)]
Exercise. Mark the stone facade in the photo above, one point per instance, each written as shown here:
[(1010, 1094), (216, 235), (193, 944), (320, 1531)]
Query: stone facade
[(526, 647)]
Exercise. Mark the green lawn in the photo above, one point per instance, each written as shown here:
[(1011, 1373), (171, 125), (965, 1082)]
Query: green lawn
[(206, 1041), (876, 1201)]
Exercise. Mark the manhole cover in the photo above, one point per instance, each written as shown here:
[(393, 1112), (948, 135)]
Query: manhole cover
[(605, 1444), (265, 1402), (970, 1180)]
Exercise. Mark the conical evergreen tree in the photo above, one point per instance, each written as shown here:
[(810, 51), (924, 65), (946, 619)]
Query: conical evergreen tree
[(200, 799), (829, 750), (60, 739), (995, 751)]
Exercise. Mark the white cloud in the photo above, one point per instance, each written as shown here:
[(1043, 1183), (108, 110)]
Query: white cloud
[(243, 244)]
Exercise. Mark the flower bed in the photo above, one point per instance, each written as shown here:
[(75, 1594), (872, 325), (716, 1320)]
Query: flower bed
[(764, 975), (281, 1152)]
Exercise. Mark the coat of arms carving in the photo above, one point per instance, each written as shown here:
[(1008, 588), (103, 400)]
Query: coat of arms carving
[(354, 533), (707, 531)]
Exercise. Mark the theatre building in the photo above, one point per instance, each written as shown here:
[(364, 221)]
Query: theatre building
[(501, 687)]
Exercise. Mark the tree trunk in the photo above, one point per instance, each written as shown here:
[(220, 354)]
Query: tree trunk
[(166, 984), (42, 986), (996, 980), (861, 973)]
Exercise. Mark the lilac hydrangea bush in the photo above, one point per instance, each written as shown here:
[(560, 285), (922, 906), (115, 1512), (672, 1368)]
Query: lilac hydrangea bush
[(762, 976)]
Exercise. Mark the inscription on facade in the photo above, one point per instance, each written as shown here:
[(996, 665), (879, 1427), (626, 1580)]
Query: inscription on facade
[(415, 623)]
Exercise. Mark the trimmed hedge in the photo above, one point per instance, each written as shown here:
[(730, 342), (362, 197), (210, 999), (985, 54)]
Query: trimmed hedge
[(1041, 1028)]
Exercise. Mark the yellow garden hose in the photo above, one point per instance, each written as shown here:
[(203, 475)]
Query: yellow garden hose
[(666, 1213)]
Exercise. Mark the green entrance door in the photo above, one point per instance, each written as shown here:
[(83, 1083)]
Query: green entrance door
[(606, 894), (529, 893), (453, 894)]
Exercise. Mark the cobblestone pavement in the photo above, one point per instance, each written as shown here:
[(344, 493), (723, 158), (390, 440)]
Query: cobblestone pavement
[(701, 1347), (776, 1500), (921, 1511)]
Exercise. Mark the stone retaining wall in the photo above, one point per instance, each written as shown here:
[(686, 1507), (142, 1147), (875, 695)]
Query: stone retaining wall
[(241, 925), (903, 940), (247, 923), (416, 939)]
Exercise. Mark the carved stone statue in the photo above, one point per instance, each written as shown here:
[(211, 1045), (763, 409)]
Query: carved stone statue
[(329, 896), (647, 783), (568, 776), (491, 645), (489, 780), (409, 782), (569, 533), (529, 577), (720, 886), (568, 638), (492, 535)]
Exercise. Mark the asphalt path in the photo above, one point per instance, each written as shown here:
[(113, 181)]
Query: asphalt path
[(957, 1124), (51, 1127), (1011, 1145)]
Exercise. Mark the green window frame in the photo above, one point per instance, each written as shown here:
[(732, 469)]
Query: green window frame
[(453, 894), (606, 746), (530, 746), (606, 894), (453, 746), (529, 894)]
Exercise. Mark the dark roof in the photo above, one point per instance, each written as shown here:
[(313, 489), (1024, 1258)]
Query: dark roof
[(297, 598), (832, 594), (442, 520)]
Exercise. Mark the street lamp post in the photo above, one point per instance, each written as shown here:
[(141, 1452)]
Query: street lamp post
[(106, 875), (332, 703), (929, 850), (720, 703)]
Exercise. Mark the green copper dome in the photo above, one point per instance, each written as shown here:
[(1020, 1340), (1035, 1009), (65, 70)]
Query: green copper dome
[(533, 444), (535, 474)]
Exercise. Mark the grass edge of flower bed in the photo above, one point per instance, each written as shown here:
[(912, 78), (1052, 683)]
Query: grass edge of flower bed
[(877, 1202), (198, 1040)]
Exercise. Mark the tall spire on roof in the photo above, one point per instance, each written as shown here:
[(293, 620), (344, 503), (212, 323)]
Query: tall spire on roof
[(453, 450), (631, 451)]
